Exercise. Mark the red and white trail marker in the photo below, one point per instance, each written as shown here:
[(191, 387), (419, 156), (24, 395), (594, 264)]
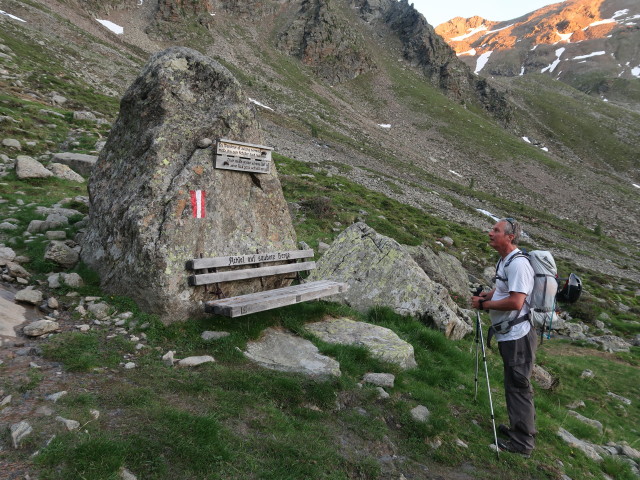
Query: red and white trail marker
[(197, 203)]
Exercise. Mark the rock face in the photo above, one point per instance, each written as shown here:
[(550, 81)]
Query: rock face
[(283, 351), (443, 268), (142, 229), (383, 343), (380, 272)]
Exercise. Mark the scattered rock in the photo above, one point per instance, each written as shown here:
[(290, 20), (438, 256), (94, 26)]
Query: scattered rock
[(420, 413), (383, 343), (40, 327), (587, 448), (27, 167), (54, 397), (544, 379), (611, 343), (168, 359), (129, 365), (72, 280), (12, 143), (99, 310), (283, 351), (195, 361), (380, 379), (28, 295), (61, 254), (214, 335), (19, 431), (594, 423), (587, 374), (624, 400), (69, 424), (61, 170), (79, 162)]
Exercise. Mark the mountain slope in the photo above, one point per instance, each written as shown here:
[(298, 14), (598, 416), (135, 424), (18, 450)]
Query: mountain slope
[(593, 45), (386, 102)]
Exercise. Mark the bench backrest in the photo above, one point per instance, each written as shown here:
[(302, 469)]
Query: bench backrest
[(251, 270)]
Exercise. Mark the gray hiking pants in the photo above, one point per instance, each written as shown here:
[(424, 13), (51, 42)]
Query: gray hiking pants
[(518, 357)]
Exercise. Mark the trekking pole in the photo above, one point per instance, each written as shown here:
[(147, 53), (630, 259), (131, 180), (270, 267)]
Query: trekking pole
[(480, 337), (553, 312)]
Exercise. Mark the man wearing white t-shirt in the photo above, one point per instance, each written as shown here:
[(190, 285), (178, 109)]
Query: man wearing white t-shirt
[(508, 308)]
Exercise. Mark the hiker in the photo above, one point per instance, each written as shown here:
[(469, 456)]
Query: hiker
[(511, 324)]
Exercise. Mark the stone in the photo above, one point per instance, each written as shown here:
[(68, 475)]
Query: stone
[(125, 474), (99, 310), (383, 343), (630, 452), (138, 239), (214, 335), (594, 423), (7, 254), (544, 379), (382, 393), (40, 327), (168, 359), (61, 254), (19, 431), (129, 366), (576, 404), (27, 167), (285, 352), (84, 115), (587, 374), (69, 424), (7, 226), (420, 413), (53, 303), (195, 361), (54, 397), (6, 400), (79, 162), (380, 272), (55, 235), (442, 268), (380, 379), (60, 170), (612, 344), (12, 143), (587, 448), (619, 398), (28, 295)]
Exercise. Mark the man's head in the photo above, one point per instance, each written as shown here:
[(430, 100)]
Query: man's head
[(504, 235)]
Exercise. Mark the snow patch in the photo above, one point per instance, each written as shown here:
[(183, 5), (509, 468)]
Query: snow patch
[(564, 37), (471, 52), (482, 61), (599, 22), (488, 214), (455, 173), (384, 125), (635, 185), (594, 54), (117, 29), (553, 66), (526, 139), (2, 12), (499, 29), (260, 104), (471, 33), (636, 71)]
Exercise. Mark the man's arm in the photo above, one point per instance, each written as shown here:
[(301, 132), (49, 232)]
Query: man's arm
[(514, 301)]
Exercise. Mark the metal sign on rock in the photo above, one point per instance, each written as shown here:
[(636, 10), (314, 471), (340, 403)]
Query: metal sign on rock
[(244, 157)]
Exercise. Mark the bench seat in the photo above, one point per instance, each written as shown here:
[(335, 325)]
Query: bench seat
[(268, 299)]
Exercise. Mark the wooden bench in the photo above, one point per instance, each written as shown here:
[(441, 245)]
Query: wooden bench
[(241, 267)]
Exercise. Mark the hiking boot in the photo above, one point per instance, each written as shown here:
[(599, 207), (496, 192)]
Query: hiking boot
[(504, 430), (508, 446)]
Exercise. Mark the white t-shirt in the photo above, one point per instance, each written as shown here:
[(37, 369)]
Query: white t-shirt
[(520, 276)]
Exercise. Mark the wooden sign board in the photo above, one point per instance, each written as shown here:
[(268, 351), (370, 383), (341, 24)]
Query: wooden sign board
[(244, 157)]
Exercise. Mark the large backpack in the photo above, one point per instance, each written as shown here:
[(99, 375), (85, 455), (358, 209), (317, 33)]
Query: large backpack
[(545, 285)]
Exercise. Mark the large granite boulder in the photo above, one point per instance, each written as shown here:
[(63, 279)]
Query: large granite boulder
[(380, 272), (80, 163), (382, 343), (27, 167), (442, 268), (142, 229)]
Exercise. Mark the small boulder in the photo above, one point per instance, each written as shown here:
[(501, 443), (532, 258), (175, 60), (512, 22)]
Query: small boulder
[(64, 172), (99, 310), (283, 351), (420, 413), (40, 327), (380, 379), (28, 295), (6, 255), (12, 143), (61, 254), (195, 361), (214, 335), (69, 424), (544, 379), (612, 344), (19, 431), (27, 167)]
